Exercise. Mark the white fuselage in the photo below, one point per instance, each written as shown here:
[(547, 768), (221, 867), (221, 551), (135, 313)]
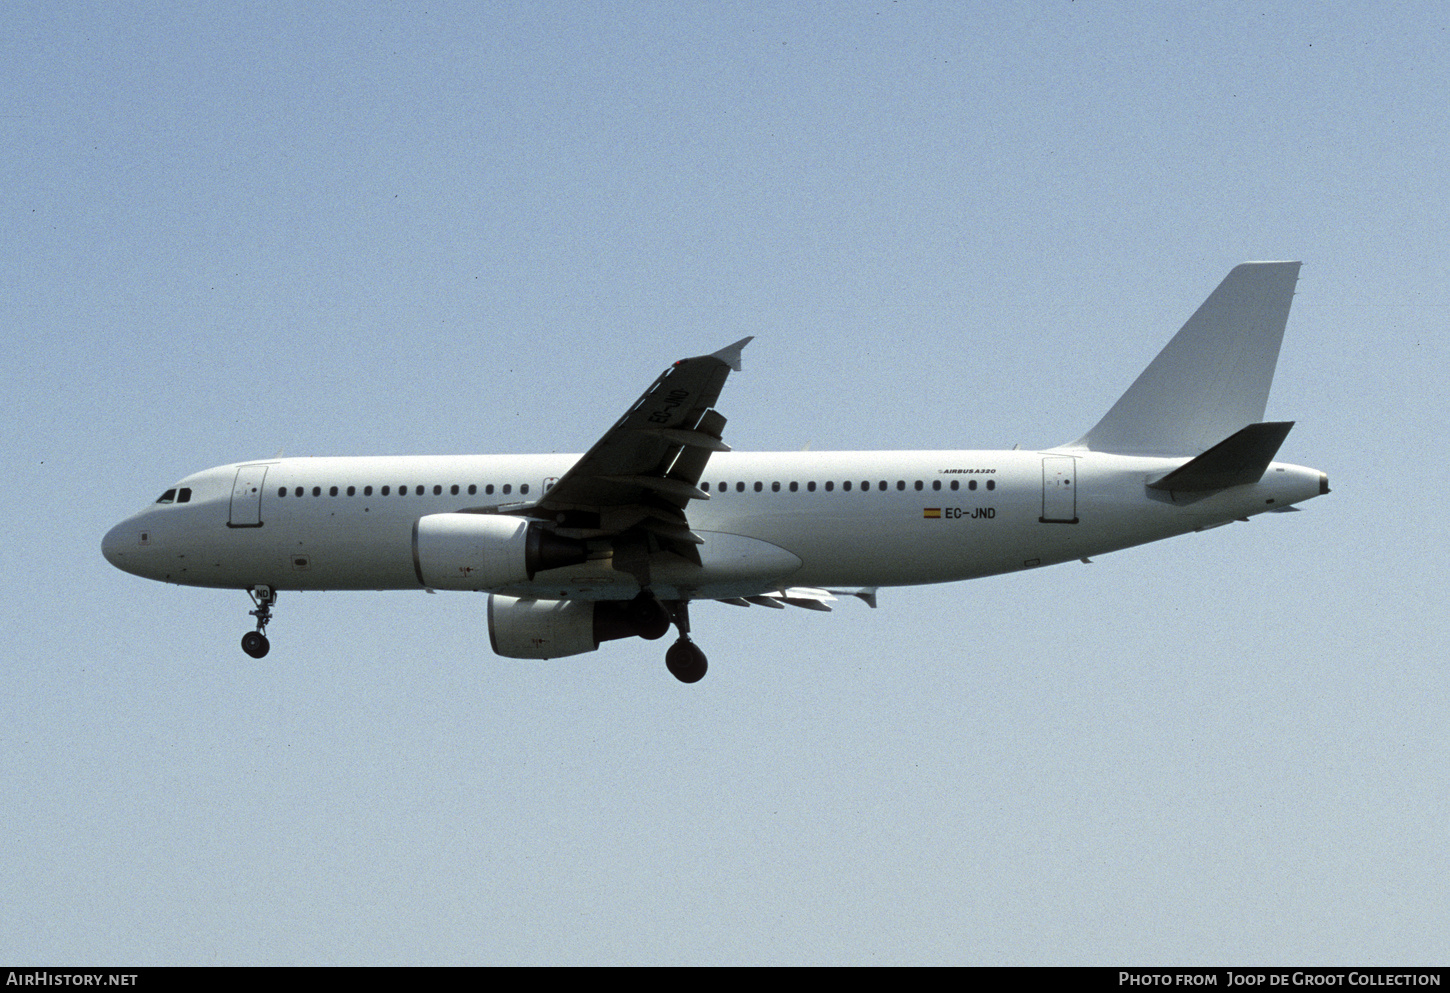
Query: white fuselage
[(799, 519)]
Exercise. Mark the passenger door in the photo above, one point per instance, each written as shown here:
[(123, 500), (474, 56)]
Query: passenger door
[(246, 510)]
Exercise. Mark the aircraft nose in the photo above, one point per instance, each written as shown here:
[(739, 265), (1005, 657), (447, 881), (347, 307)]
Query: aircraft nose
[(123, 544), (111, 546)]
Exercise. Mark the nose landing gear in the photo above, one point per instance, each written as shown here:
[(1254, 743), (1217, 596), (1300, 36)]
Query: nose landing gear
[(255, 643)]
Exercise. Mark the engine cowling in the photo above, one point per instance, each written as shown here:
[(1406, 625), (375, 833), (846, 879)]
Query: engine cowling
[(486, 551), (551, 629)]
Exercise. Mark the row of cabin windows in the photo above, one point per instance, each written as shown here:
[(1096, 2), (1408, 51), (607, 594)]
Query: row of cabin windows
[(507, 489), (454, 490), (882, 485)]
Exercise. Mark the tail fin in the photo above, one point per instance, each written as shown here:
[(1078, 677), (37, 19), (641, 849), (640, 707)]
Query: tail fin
[(1213, 378)]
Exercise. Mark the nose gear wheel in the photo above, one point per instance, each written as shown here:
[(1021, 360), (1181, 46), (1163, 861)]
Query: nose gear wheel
[(255, 643)]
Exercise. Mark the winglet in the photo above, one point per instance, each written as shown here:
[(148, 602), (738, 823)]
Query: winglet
[(730, 354)]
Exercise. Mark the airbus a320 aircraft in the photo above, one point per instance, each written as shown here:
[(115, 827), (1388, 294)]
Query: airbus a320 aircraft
[(575, 550)]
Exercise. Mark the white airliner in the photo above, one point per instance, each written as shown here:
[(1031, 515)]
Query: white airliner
[(575, 550)]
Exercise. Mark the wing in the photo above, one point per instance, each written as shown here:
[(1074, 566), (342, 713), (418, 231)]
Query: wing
[(634, 485)]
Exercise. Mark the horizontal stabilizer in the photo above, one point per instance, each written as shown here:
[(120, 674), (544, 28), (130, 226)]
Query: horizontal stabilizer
[(1241, 458)]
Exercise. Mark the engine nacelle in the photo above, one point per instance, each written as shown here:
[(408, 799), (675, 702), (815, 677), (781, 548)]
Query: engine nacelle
[(486, 551), (551, 629)]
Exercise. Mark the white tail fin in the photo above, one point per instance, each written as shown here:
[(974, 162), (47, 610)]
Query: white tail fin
[(1213, 378)]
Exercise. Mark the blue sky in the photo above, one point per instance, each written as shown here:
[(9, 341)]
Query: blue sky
[(234, 230)]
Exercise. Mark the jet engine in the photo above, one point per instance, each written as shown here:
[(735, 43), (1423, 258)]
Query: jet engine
[(551, 629), (485, 551)]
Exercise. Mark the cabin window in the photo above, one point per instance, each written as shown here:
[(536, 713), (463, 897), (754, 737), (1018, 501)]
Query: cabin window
[(881, 486), (507, 489), (918, 484), (472, 488), (956, 483), (759, 487), (352, 491), (438, 490), (936, 484), (775, 487), (419, 491), (846, 486), (971, 484), (991, 484), (524, 489), (367, 491), (830, 485), (167, 497), (282, 491), (488, 489), (795, 487), (332, 491), (811, 486), (901, 484), (453, 489), (317, 491)]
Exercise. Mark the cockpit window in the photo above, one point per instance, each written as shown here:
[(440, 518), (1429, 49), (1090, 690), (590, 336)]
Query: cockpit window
[(167, 497), (183, 495)]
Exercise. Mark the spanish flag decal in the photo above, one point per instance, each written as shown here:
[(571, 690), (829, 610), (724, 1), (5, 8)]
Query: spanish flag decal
[(931, 512)]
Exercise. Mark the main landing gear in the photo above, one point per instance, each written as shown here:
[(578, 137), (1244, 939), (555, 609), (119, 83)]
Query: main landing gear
[(684, 659), (255, 643)]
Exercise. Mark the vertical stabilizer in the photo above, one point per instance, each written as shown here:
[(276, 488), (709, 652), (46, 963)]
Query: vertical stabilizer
[(1213, 378)]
